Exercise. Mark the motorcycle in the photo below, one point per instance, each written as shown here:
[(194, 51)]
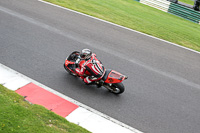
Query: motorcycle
[(112, 80)]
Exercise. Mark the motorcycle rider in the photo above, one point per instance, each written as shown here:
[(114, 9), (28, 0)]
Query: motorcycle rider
[(89, 65)]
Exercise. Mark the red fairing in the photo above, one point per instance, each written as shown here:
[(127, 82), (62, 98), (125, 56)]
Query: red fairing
[(115, 77), (68, 62)]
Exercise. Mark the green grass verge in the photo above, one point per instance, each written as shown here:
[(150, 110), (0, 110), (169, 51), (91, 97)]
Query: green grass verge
[(190, 2), (134, 15), (18, 116)]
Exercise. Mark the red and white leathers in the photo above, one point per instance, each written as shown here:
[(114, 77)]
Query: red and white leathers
[(92, 67)]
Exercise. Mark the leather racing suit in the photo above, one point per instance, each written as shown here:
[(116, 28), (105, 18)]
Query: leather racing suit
[(90, 70)]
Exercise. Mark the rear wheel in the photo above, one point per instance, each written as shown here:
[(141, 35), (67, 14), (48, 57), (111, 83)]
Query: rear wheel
[(116, 88)]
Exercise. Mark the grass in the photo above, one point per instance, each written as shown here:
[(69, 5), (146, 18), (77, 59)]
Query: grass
[(190, 2), (18, 116), (137, 16)]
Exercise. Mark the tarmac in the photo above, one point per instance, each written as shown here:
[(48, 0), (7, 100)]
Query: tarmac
[(74, 111)]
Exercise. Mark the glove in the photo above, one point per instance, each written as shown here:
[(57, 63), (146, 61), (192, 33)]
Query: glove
[(93, 78), (77, 62)]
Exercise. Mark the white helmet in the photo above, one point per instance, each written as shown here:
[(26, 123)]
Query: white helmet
[(86, 54)]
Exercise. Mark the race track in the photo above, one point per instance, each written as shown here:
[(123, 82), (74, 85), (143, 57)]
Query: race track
[(163, 89)]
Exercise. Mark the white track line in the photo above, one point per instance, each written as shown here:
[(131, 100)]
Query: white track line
[(118, 26), (169, 75)]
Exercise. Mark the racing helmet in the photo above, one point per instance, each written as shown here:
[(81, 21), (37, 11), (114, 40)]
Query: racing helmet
[(86, 54)]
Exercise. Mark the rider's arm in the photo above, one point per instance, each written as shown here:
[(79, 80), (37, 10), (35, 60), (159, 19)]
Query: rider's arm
[(78, 60), (82, 69)]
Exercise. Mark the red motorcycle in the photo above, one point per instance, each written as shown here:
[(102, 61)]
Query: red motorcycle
[(112, 80)]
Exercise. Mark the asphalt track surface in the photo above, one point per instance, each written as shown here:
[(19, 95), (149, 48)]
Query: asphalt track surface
[(163, 89)]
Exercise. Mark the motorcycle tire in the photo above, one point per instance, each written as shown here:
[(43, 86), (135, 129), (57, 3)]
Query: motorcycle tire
[(117, 88), (73, 56)]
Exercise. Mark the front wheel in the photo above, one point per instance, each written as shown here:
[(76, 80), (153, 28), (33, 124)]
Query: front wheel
[(116, 88)]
